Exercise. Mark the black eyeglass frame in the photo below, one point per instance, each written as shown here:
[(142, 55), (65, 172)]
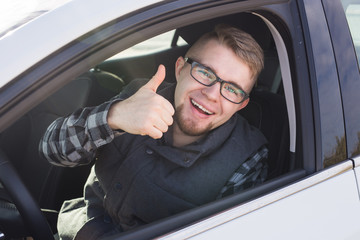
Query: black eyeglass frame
[(193, 62)]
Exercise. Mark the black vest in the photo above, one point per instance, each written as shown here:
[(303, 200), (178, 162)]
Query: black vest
[(144, 180), (137, 179)]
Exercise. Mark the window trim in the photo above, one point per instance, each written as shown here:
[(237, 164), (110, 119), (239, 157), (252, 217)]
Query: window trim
[(287, 81)]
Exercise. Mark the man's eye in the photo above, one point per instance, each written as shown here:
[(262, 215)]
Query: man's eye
[(205, 73), (231, 89)]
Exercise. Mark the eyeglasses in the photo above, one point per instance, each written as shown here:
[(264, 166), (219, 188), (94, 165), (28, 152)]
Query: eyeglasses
[(207, 77)]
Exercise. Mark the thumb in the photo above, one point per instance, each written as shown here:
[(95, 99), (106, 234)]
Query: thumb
[(157, 79)]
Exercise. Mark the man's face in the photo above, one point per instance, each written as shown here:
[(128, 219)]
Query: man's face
[(199, 108)]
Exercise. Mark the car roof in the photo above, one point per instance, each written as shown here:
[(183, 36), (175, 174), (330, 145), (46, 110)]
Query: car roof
[(25, 46), (15, 13)]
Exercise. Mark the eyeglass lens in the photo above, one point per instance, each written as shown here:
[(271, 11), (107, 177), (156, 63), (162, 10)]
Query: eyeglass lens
[(206, 77)]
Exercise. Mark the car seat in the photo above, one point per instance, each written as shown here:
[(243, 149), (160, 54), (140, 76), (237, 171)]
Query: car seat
[(60, 181), (267, 111), (50, 185)]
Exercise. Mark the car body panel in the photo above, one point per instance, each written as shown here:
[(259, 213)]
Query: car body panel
[(318, 207), (33, 45), (357, 171)]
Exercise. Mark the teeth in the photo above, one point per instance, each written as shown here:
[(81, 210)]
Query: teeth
[(201, 107)]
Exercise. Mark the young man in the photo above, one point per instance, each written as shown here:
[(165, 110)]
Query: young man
[(160, 153)]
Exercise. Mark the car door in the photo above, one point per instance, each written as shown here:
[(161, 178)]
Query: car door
[(316, 197), (324, 205)]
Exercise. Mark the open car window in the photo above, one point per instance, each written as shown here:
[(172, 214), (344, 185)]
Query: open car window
[(273, 93), (108, 78)]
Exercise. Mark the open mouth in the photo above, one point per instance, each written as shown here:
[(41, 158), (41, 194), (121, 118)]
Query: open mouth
[(201, 108)]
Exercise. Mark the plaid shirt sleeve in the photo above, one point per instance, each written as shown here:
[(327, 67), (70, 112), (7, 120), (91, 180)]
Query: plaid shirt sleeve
[(251, 173), (73, 140)]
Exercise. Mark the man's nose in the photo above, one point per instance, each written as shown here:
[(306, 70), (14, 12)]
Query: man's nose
[(212, 92)]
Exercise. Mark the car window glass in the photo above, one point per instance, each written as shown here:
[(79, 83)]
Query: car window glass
[(352, 11), (152, 45)]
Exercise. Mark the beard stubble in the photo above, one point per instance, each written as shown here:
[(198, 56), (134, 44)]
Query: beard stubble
[(189, 126)]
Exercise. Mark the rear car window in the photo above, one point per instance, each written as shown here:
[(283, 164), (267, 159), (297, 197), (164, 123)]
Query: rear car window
[(352, 11), (152, 45)]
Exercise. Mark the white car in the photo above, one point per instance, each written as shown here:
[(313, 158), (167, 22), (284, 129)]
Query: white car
[(306, 103)]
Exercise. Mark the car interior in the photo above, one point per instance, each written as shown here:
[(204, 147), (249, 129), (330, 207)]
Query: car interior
[(51, 185)]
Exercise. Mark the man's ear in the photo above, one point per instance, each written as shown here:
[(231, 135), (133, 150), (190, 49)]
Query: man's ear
[(179, 64), (243, 104)]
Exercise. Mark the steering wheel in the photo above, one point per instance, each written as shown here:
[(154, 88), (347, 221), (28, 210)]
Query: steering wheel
[(30, 212)]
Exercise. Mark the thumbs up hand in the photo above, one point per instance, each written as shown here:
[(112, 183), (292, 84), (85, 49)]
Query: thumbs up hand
[(145, 112)]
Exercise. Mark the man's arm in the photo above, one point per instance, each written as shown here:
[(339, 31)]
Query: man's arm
[(74, 140), (251, 173)]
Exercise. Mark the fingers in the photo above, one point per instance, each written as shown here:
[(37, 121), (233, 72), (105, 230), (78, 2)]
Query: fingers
[(162, 126), (167, 118), (168, 107), (164, 119), (155, 133), (157, 79), (145, 112), (157, 124), (155, 128)]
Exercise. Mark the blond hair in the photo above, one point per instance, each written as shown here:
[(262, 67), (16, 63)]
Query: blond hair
[(240, 42)]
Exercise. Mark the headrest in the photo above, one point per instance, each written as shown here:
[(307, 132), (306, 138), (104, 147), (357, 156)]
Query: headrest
[(247, 22)]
